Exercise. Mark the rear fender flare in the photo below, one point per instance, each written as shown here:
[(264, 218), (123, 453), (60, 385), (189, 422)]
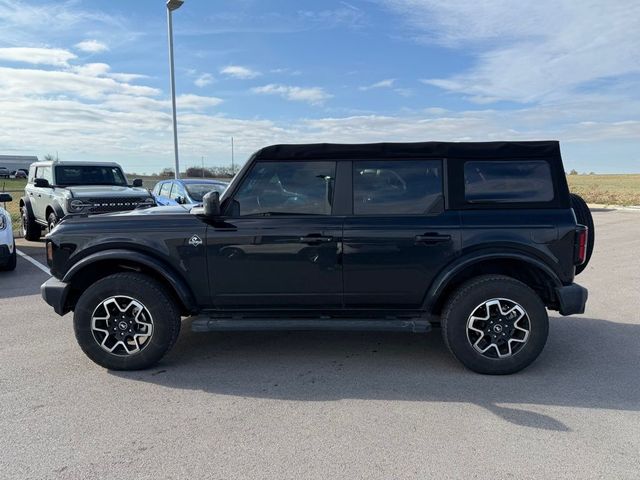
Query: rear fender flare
[(444, 278), (26, 201)]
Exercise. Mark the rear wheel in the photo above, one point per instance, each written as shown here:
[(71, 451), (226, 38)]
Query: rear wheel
[(495, 325), (30, 229), (126, 321), (584, 217)]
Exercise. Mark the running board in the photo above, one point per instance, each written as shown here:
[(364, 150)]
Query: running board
[(207, 324)]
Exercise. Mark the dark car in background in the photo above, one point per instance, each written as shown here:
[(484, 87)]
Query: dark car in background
[(187, 191)]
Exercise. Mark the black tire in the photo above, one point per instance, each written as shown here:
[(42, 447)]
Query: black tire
[(144, 289), (30, 229), (584, 217), (52, 221), (12, 262), (468, 298)]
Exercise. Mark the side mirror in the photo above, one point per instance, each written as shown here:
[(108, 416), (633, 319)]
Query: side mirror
[(5, 197), (211, 204), (41, 183), (137, 182)]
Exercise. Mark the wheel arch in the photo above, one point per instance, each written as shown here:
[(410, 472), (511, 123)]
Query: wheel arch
[(102, 264), (26, 202), (531, 271), (56, 208)]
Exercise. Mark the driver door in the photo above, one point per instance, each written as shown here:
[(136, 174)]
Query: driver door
[(278, 244)]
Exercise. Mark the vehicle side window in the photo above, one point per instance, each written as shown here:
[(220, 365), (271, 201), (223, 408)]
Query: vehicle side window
[(156, 189), (177, 191), (32, 174), (44, 172), (508, 181), (396, 187), (166, 189), (281, 188)]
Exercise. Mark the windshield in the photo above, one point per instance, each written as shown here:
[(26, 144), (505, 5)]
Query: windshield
[(198, 190), (68, 175)]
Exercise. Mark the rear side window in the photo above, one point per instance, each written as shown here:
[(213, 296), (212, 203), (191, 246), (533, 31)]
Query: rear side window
[(526, 181), (396, 187), (287, 188)]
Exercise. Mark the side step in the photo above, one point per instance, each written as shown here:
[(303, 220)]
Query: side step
[(208, 324)]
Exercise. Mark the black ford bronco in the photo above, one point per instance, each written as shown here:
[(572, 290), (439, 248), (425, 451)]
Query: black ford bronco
[(479, 238)]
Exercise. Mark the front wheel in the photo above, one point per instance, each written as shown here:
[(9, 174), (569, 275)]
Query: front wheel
[(52, 221), (126, 321), (495, 325)]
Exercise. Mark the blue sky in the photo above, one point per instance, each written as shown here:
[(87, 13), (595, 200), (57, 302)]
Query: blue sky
[(89, 79)]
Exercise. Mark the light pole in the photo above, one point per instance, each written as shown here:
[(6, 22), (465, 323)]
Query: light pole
[(171, 6)]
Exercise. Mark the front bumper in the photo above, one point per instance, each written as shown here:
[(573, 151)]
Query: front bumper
[(55, 294), (572, 299)]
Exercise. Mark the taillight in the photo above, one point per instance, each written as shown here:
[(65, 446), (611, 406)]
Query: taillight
[(582, 234)]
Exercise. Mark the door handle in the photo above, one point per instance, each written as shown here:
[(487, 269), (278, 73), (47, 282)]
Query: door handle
[(315, 239), (432, 239)]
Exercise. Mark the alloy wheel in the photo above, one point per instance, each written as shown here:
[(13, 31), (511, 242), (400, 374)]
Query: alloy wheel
[(122, 325), (498, 328)]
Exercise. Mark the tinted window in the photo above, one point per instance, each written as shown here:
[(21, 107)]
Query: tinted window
[(400, 187), (508, 181), (165, 190), (287, 188), (69, 175)]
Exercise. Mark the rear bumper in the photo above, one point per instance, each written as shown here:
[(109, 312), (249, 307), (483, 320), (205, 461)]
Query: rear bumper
[(55, 294), (572, 299)]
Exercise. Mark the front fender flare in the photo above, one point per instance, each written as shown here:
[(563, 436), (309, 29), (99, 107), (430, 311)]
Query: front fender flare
[(173, 278), (440, 283)]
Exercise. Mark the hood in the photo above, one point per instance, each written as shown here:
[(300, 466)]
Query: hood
[(107, 191), (169, 210)]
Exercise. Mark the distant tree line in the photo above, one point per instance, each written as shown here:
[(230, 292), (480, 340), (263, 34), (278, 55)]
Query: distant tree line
[(198, 172)]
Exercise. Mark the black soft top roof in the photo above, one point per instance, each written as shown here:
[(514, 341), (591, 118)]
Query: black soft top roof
[(486, 150)]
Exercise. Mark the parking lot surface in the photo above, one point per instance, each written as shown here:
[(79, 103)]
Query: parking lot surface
[(304, 405)]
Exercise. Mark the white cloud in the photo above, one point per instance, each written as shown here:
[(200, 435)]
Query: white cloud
[(37, 56), (29, 82), (312, 95), (204, 80), (388, 83), (127, 77), (197, 102), (92, 69), (530, 51), (92, 46), (238, 71)]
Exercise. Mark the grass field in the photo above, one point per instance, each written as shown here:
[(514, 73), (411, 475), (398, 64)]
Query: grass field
[(607, 189), (602, 189)]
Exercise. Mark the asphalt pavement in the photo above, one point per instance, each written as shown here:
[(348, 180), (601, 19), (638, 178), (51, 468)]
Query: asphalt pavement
[(307, 405)]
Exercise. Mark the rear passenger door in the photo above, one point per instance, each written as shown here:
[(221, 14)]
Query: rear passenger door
[(399, 236)]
